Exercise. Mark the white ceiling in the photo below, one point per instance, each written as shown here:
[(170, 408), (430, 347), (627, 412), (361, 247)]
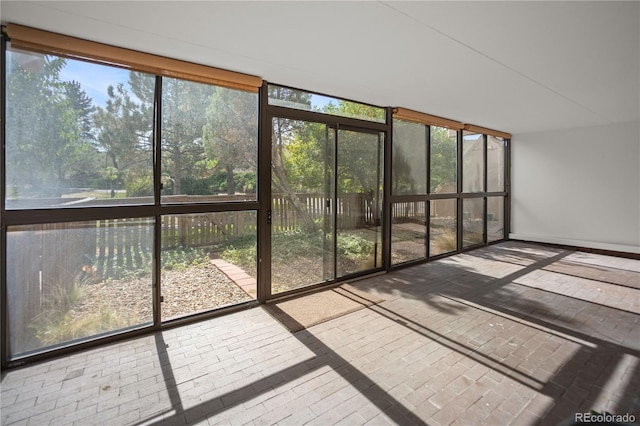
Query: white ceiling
[(511, 66)]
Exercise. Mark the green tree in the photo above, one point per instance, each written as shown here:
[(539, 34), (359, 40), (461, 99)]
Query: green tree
[(443, 158), (47, 138), (359, 153), (124, 132), (231, 132), (184, 115), (285, 133)]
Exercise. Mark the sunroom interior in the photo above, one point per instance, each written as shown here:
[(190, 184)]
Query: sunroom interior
[(224, 155)]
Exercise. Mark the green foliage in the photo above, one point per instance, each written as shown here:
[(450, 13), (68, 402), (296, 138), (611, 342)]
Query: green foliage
[(294, 244), (124, 127), (240, 251), (55, 309), (355, 110), (140, 187), (246, 181), (195, 186), (69, 327), (306, 155), (184, 109), (443, 158), (354, 246), (48, 128), (230, 133), (181, 258)]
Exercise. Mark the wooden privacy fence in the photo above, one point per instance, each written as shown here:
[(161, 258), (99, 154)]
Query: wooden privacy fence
[(199, 230), (354, 210), (44, 262)]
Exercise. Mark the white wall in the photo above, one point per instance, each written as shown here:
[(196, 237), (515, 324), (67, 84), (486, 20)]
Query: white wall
[(578, 187)]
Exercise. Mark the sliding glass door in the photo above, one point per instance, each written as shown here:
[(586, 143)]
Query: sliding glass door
[(359, 201), (326, 207)]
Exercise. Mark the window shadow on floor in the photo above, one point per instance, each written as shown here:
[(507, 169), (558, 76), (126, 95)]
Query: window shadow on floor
[(584, 382), (580, 384), (323, 357)]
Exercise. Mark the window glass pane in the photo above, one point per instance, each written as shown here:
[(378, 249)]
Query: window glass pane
[(495, 218), (495, 164), (443, 229), (359, 177), (472, 162), (302, 203), (473, 221), (408, 232), (444, 163), (71, 281), (409, 173), (307, 101), (77, 134), (208, 261), (209, 143)]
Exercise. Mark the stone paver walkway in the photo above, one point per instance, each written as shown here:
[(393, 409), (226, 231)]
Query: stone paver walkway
[(513, 333), (243, 280)]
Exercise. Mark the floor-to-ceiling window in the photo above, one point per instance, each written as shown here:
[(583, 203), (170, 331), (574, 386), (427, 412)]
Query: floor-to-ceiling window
[(443, 202), (132, 199), (484, 174), (327, 174), (447, 187), (129, 198)]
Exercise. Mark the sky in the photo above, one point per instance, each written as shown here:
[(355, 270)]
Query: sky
[(94, 79)]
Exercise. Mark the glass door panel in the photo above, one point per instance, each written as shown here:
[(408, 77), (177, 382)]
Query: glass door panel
[(302, 203), (359, 201)]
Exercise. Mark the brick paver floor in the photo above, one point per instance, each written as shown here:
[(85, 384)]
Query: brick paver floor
[(513, 333)]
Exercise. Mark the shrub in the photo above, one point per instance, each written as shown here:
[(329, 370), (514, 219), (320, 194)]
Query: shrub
[(140, 187), (354, 246), (182, 258)]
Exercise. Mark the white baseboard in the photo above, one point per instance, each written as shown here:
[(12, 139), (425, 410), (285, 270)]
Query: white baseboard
[(576, 243)]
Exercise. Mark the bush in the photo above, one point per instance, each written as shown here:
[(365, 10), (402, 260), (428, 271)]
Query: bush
[(140, 187), (354, 246), (182, 258)]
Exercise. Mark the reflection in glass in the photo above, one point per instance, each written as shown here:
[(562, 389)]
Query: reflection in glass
[(444, 163), (208, 261), (408, 232), (75, 280), (443, 226), (77, 134), (307, 101), (209, 143), (495, 164), (472, 162), (495, 218), (409, 173), (473, 221)]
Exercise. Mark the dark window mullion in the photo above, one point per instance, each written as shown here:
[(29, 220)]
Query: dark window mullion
[(265, 121), (459, 219), (485, 188), (4, 323), (157, 172), (427, 203)]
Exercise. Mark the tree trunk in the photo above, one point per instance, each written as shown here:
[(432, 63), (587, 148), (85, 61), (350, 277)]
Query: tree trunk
[(279, 173), (231, 185), (177, 172)]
